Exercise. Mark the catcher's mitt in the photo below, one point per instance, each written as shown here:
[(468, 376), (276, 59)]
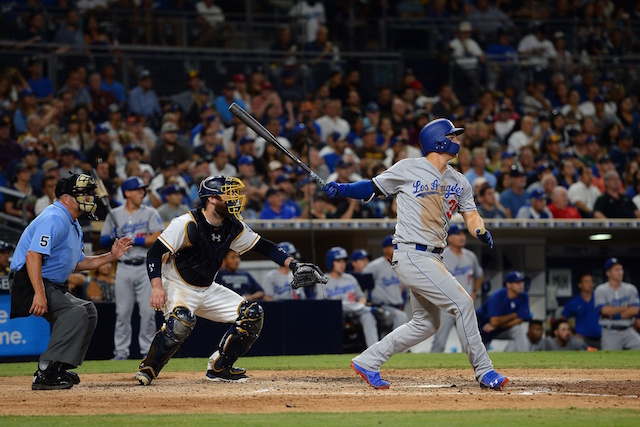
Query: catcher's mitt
[(306, 274)]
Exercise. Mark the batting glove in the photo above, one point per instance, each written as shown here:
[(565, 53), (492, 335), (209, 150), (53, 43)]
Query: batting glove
[(333, 189), (485, 238)]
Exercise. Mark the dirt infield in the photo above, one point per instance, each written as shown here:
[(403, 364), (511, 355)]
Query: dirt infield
[(325, 391)]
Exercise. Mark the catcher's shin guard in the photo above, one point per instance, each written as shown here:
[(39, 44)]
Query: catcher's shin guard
[(168, 340), (240, 336)]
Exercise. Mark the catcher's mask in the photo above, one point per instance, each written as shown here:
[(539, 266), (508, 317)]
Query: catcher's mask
[(229, 188), (82, 188)]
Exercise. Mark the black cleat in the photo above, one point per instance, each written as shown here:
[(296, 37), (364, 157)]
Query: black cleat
[(73, 377), (230, 375), (51, 379)]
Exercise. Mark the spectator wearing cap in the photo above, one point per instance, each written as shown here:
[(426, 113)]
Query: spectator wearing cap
[(11, 150), (290, 89), (223, 102), (571, 111), (255, 187), (41, 86), (67, 160), (267, 151), (345, 170), (49, 194), (140, 135), (370, 149), (116, 127), (614, 203), (210, 139), (101, 148), (371, 115), (524, 136), (168, 175), (583, 194), (336, 148), (502, 315), (536, 47), (536, 208), (27, 106), (513, 198), (622, 152), (73, 85), (110, 84), (504, 123), (275, 208), (100, 99), (265, 99), (331, 122), (488, 206), (190, 97), (559, 206), (207, 115), (220, 164), (617, 303), (173, 206), (285, 185), (467, 53), (552, 149), (600, 168), (479, 167), (465, 267), (601, 116), (359, 260), (143, 100), (21, 182), (629, 117), (170, 149)]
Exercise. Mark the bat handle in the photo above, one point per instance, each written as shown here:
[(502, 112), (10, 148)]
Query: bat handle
[(317, 179)]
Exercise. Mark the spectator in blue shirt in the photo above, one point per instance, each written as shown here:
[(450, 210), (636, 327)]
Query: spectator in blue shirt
[(275, 208), (143, 100), (515, 197), (582, 307), (479, 167), (239, 281), (41, 86), (501, 316), (110, 84), (224, 101)]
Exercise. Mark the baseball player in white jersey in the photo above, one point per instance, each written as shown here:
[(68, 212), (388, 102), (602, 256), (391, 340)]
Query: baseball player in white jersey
[(182, 264), (429, 192), (344, 287), (143, 224), (618, 305), (387, 289), (277, 283), (464, 266)]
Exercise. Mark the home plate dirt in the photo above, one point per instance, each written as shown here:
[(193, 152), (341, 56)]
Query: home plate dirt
[(325, 391)]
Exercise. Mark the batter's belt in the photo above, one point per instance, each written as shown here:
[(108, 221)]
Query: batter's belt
[(418, 247)]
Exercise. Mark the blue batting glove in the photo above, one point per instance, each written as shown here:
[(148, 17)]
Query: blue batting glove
[(332, 189), (485, 238)]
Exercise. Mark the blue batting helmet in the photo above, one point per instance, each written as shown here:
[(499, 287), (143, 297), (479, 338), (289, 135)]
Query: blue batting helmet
[(290, 249), (229, 188), (333, 254), (433, 137)]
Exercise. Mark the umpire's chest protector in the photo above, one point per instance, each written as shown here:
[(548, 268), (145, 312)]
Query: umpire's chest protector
[(199, 263)]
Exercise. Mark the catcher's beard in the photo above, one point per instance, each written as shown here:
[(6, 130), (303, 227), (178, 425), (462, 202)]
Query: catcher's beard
[(221, 209)]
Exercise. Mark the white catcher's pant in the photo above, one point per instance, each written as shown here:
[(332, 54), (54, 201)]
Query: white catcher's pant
[(433, 289)]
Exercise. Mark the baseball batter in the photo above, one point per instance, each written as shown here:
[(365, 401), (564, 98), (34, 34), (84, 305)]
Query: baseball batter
[(182, 264), (429, 192), (142, 224), (277, 283), (617, 302), (464, 266), (387, 290)]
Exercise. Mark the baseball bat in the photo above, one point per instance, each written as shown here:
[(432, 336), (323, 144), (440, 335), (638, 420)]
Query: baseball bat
[(103, 195), (254, 124)]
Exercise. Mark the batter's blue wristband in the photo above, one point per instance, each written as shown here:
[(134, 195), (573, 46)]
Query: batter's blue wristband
[(358, 190), (139, 241)]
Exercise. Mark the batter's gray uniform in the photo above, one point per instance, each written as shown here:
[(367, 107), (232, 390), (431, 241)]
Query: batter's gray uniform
[(278, 286), (617, 334), (466, 269), (387, 290), (426, 201), (347, 290), (132, 282)]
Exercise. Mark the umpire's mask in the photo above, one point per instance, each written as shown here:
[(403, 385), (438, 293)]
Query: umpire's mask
[(82, 188)]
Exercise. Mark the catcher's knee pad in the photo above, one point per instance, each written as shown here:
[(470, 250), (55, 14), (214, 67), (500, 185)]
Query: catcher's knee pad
[(168, 339), (239, 337)]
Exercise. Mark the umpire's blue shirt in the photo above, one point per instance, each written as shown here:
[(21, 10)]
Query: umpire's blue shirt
[(56, 236), (586, 316), (499, 304)]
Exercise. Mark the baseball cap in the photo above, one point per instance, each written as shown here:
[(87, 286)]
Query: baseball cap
[(29, 150), (113, 108), (174, 107), (544, 117), (267, 85), (50, 165), (132, 147), (368, 130), (65, 151), (271, 191), (206, 106), (465, 27), (132, 120), (172, 189), (133, 183), (514, 276), (100, 129), (6, 246), (537, 194), (239, 78), (343, 163), (169, 163), (598, 98), (229, 86), (590, 139), (203, 90), (219, 149), (516, 171), (359, 254), (288, 247), (168, 127), (246, 140), (507, 155), (625, 134), (372, 107), (19, 167), (387, 241), (144, 74), (245, 160), (455, 229), (281, 178), (604, 159), (610, 263), (558, 35), (542, 167), (275, 165), (300, 127), (192, 74)]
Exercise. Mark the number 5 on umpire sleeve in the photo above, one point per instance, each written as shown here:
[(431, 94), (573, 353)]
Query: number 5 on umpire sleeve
[(44, 241)]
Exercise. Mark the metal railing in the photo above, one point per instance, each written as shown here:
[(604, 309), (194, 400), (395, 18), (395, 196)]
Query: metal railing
[(13, 225)]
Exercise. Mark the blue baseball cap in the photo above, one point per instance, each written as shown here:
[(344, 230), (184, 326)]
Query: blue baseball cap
[(288, 247), (610, 263), (298, 128), (246, 140), (281, 178), (245, 160), (100, 129), (219, 149), (206, 107), (514, 277), (455, 229), (133, 183), (387, 241), (132, 147), (542, 167), (172, 189), (507, 155), (359, 254), (537, 194), (372, 107)]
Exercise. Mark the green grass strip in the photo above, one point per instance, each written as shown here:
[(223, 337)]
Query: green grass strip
[(511, 418)]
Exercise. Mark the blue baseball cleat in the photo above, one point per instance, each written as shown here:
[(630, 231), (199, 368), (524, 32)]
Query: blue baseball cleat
[(493, 380), (372, 378)]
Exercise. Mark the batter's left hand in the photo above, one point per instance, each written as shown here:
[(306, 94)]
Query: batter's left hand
[(120, 246), (485, 238)]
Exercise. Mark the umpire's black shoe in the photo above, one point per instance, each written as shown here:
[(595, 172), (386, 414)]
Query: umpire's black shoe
[(230, 375), (75, 378), (51, 379)]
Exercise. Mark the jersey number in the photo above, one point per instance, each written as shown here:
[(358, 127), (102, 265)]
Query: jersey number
[(44, 241), (453, 205)]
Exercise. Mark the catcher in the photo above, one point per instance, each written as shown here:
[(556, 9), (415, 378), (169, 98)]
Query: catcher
[(182, 264)]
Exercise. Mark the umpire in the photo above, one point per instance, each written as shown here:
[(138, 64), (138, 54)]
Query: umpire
[(50, 249)]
